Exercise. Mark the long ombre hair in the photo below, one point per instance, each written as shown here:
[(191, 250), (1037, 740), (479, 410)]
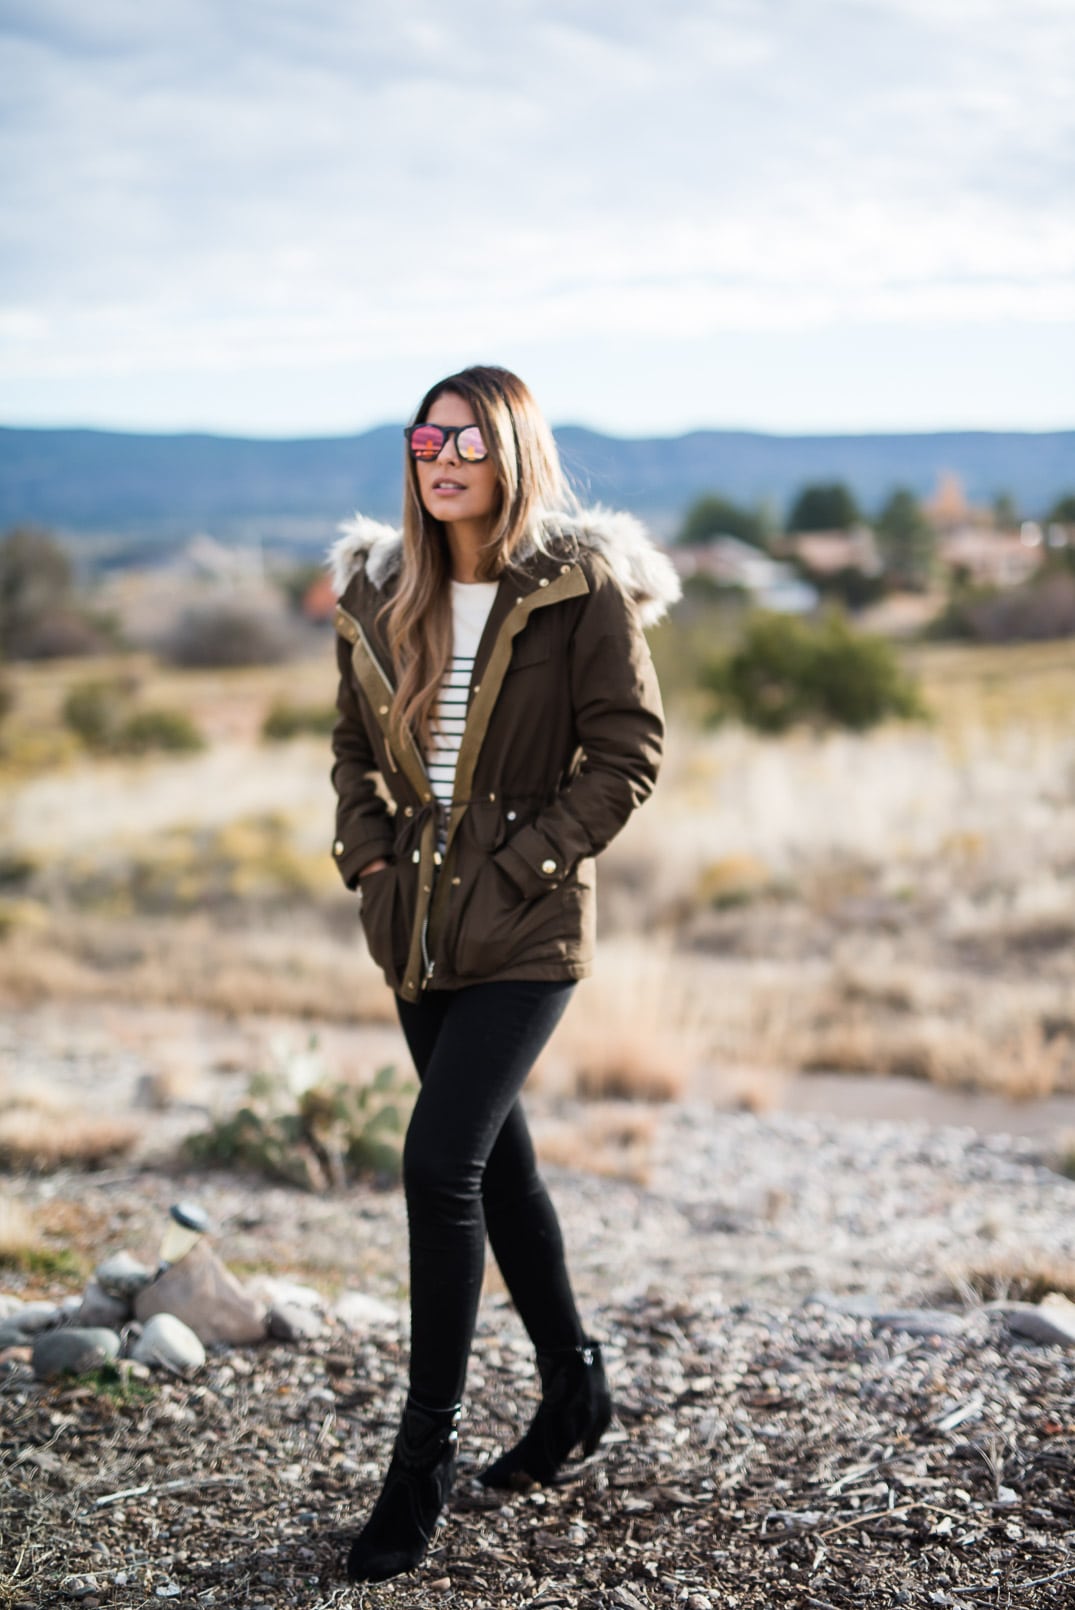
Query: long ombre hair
[(531, 485)]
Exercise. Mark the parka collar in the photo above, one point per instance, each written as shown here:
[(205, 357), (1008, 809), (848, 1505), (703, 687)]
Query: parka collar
[(639, 568)]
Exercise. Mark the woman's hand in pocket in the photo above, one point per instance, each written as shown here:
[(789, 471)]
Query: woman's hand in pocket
[(378, 865)]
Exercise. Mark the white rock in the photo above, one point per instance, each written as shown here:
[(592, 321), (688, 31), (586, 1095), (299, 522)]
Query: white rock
[(9, 1306), (291, 1323), (34, 1317), (167, 1342), (355, 1311), (275, 1292), (122, 1276)]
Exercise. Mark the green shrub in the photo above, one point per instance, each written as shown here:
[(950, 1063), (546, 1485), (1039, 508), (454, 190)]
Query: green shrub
[(172, 730), (101, 713), (323, 1136), (95, 711), (291, 720), (787, 671)]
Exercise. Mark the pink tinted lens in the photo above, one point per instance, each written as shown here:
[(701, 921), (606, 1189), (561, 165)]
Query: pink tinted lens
[(426, 441), (470, 444)]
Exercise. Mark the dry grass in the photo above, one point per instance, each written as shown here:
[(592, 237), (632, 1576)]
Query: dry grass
[(297, 970), (636, 1031), (844, 893), (614, 1140), (19, 1233), (39, 1134), (1011, 1279)]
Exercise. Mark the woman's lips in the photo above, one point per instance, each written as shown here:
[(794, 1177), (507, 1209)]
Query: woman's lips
[(448, 488)]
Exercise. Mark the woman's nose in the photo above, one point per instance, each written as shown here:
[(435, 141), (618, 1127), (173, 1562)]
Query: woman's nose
[(448, 451)]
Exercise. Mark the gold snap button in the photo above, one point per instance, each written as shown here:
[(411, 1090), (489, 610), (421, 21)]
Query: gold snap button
[(408, 810), (337, 848), (544, 582), (564, 569), (511, 816), (548, 867), (416, 856), (456, 882)]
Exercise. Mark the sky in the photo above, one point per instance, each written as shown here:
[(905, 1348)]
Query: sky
[(288, 217)]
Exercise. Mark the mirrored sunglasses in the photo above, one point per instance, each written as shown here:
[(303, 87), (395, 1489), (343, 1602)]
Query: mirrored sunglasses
[(427, 441)]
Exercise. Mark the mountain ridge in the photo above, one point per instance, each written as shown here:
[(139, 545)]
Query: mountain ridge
[(83, 481)]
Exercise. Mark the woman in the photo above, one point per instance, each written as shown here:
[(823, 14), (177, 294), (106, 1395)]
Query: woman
[(495, 680)]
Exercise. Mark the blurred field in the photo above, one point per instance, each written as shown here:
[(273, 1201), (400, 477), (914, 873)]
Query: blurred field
[(900, 903)]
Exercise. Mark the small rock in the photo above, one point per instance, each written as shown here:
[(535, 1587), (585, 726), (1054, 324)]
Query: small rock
[(920, 1322), (132, 1370), (122, 1276), (9, 1306), (79, 1587), (277, 1293), (11, 1336), (1050, 1321), (99, 1307), (289, 1323), (167, 1342), (355, 1311), (72, 1351), (34, 1317)]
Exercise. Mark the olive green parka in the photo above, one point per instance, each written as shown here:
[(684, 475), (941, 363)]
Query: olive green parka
[(562, 741)]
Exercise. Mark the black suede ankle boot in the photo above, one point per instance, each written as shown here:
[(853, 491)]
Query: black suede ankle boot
[(416, 1488), (575, 1408)]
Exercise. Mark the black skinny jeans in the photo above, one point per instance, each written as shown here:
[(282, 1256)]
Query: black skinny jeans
[(469, 1167)]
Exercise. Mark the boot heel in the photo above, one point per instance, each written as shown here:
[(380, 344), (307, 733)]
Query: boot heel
[(597, 1431)]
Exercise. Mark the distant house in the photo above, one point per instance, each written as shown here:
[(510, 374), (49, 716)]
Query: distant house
[(733, 563), (992, 558), (826, 553)]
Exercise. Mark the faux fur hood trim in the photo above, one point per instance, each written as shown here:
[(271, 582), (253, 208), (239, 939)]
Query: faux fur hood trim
[(641, 571)]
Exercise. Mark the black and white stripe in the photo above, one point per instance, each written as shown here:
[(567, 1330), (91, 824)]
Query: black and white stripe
[(471, 603)]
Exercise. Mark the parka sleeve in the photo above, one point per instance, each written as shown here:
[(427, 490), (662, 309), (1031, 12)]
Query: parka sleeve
[(619, 723), (363, 824)]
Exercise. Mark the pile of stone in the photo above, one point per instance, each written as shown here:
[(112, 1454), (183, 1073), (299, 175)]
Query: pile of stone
[(138, 1318)]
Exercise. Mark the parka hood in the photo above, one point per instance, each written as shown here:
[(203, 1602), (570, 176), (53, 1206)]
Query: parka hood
[(641, 571)]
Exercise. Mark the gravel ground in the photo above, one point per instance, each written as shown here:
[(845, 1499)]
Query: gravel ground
[(780, 1439)]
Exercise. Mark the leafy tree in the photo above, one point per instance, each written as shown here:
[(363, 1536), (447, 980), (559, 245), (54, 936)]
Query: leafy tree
[(788, 671), (712, 516), (1005, 512), (907, 540), (35, 583), (828, 506), (1063, 510)]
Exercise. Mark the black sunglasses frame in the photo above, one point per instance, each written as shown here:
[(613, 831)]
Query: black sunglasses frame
[(448, 432)]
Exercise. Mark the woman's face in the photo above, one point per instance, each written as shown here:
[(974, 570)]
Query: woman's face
[(450, 488)]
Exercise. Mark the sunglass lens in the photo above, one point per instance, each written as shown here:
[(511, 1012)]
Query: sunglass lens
[(426, 441), (470, 444)]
